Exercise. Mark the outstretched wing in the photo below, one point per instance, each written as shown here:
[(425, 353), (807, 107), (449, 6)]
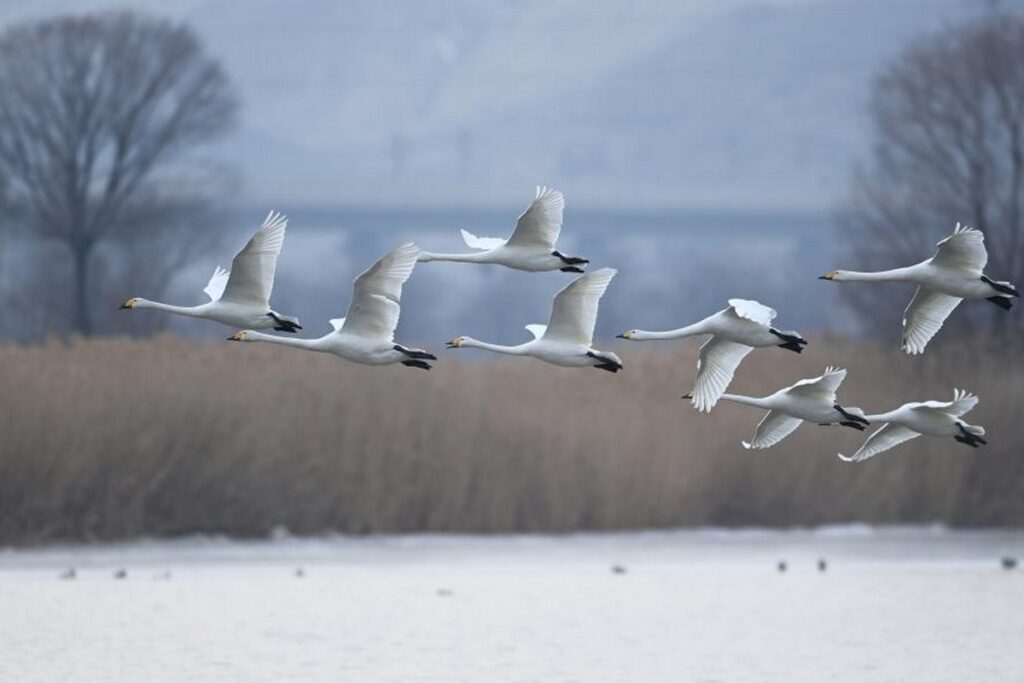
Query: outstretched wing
[(376, 294), (824, 387), (474, 242), (252, 270), (337, 323), (964, 249), (961, 404), (752, 310), (716, 366), (924, 317), (537, 330), (218, 281), (889, 435), (541, 222), (574, 311), (773, 428)]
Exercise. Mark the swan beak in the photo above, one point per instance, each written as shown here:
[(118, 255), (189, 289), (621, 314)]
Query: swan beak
[(624, 335), (687, 397), (828, 276), (128, 303), (454, 344), (237, 336)]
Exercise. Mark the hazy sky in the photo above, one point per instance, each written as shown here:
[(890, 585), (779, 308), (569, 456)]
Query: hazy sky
[(652, 104)]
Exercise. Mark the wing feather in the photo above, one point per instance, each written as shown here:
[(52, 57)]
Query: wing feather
[(888, 436), (773, 428), (752, 310), (824, 387), (541, 223), (252, 270), (716, 367), (377, 294), (218, 281), (537, 330), (924, 317), (964, 250), (574, 312), (474, 242)]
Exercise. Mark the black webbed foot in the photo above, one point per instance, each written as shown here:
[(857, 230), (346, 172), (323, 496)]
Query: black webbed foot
[(571, 269), (1002, 302), (423, 365)]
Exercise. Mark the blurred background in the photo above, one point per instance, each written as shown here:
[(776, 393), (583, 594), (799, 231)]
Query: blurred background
[(707, 150)]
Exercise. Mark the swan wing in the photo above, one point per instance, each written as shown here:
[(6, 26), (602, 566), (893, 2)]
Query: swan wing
[(824, 387), (474, 242), (962, 403), (337, 323), (252, 270), (537, 330), (574, 312), (773, 428), (888, 436), (218, 281), (541, 222), (716, 366), (924, 317), (964, 250), (752, 310), (377, 293)]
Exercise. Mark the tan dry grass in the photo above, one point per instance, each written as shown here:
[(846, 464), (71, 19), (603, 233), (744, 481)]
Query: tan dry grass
[(116, 438)]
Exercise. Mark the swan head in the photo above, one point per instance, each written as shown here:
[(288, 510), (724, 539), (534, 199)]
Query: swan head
[(239, 336), (130, 303), (629, 334), (830, 275), (456, 343)]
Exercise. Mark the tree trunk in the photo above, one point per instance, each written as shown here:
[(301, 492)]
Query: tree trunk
[(79, 289)]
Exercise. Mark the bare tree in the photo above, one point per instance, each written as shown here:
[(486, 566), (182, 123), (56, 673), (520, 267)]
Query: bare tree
[(98, 117), (948, 118)]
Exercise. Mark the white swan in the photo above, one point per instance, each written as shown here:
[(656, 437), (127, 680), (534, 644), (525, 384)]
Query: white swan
[(934, 418), (241, 297), (944, 280), (568, 337), (811, 400), (735, 332), (532, 244), (366, 334)]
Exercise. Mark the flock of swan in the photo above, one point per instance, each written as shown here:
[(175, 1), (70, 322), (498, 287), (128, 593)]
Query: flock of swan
[(240, 298)]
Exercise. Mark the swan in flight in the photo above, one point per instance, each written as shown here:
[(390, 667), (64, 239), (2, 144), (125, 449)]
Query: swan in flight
[(366, 334), (811, 400), (955, 273), (532, 244), (568, 336), (241, 297), (934, 418), (735, 332)]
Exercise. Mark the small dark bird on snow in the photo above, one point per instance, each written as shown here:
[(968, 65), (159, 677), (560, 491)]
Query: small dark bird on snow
[(121, 573), (822, 564), (1009, 563), (781, 566), (68, 574)]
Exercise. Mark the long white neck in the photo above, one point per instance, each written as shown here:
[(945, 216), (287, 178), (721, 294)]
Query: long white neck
[(688, 331), (295, 342), (471, 257), (907, 274), (190, 311), (881, 417), (747, 400), (519, 350)]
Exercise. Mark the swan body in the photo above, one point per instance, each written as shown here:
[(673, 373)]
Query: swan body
[(933, 418), (532, 244), (809, 400), (366, 334), (955, 273), (240, 297), (567, 339), (735, 332)]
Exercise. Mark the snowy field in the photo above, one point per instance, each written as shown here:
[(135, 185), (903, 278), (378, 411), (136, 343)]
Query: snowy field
[(893, 605)]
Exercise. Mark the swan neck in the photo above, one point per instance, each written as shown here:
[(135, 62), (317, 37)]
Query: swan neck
[(745, 400), (295, 342), (473, 257), (191, 311), (895, 275), (688, 331), (497, 348)]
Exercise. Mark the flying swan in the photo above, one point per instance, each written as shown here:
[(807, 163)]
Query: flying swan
[(735, 332), (532, 244), (567, 338), (811, 400), (366, 334), (911, 420), (944, 280), (241, 297)]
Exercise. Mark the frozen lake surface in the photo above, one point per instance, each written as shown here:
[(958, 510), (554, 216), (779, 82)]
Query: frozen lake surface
[(894, 605)]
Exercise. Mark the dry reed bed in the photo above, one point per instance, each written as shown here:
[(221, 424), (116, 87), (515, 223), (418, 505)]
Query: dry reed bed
[(116, 438)]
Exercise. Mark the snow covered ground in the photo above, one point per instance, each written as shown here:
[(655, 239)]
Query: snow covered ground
[(893, 605)]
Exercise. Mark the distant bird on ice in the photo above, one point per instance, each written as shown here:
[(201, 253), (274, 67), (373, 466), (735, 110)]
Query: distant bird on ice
[(944, 280), (735, 332), (568, 337), (241, 297), (811, 400), (366, 334), (532, 244), (911, 420)]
